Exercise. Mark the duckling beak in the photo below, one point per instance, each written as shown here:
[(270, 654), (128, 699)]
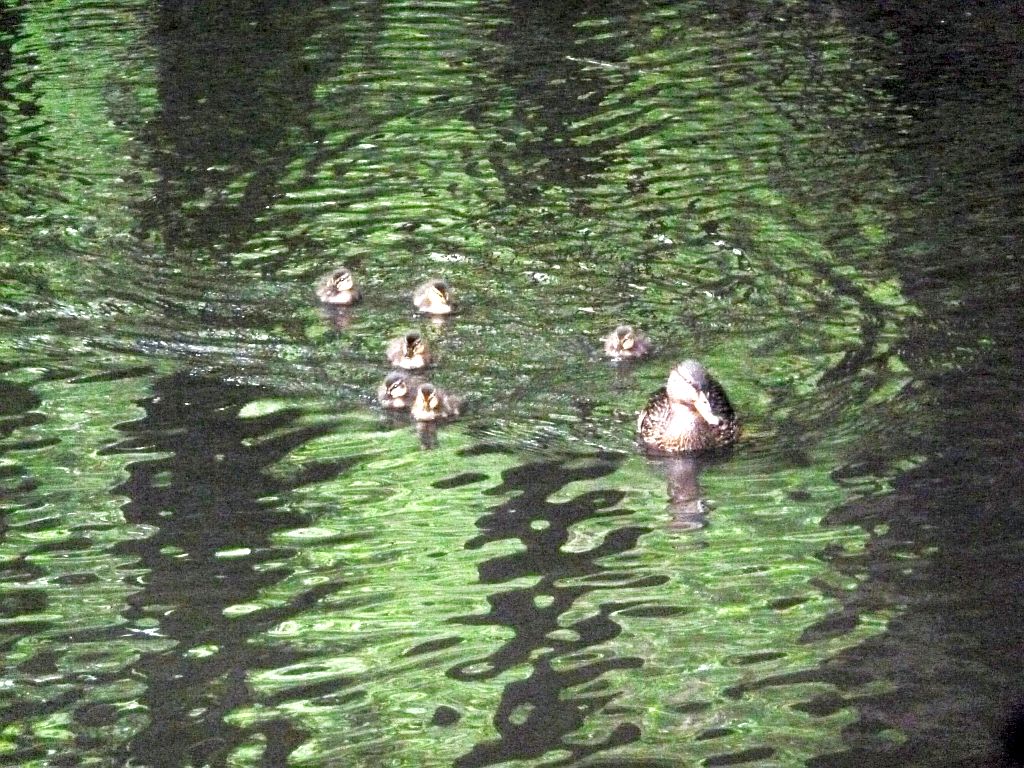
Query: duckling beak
[(703, 407)]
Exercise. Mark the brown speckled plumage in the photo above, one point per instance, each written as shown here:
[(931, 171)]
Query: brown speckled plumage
[(673, 426)]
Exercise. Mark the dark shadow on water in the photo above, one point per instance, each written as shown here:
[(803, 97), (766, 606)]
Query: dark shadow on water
[(236, 91), (566, 662), (22, 612), (943, 557), (556, 84), (212, 504), (338, 318)]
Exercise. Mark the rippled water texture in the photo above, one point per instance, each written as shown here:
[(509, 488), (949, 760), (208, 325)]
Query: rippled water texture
[(216, 549)]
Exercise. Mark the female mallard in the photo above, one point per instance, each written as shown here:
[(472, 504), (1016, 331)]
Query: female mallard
[(338, 287), (626, 343), (433, 404), (397, 390), (691, 413), (410, 351), (434, 297)]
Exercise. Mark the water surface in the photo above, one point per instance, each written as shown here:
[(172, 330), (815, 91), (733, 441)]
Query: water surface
[(217, 550)]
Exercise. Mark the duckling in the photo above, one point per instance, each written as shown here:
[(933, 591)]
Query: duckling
[(397, 390), (691, 413), (433, 404), (410, 351), (434, 297), (626, 343), (338, 287)]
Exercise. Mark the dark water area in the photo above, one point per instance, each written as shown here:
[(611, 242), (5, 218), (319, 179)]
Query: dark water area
[(216, 549)]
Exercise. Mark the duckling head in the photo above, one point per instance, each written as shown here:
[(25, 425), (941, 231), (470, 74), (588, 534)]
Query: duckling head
[(414, 344), (624, 337), (427, 399), (341, 279), (396, 385)]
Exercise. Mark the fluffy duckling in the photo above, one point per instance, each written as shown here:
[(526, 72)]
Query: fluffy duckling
[(397, 390), (626, 343), (410, 351), (338, 287), (434, 297), (433, 404), (691, 413)]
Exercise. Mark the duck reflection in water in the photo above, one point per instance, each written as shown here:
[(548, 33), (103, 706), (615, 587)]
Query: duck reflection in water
[(688, 510), (337, 316), (427, 433)]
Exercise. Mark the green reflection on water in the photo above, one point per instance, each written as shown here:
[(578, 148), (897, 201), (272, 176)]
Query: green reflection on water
[(70, 650), (709, 178), (720, 622)]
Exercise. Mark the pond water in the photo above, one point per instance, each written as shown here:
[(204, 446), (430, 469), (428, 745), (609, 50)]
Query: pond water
[(216, 549)]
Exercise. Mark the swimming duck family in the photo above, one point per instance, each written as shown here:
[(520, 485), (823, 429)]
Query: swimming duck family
[(690, 414)]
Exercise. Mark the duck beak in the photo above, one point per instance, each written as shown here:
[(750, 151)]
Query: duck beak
[(703, 407)]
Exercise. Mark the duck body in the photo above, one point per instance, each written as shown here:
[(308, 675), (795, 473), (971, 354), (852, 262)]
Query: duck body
[(433, 404), (434, 297), (410, 351), (338, 288), (626, 343), (690, 414), (397, 391)]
